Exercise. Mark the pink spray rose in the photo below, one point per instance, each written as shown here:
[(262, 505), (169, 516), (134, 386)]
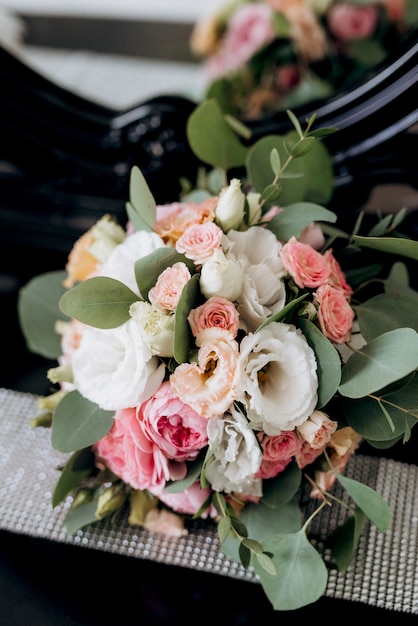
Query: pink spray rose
[(217, 312), (278, 451), (199, 241), (308, 267), (335, 314), (347, 22), (167, 290)]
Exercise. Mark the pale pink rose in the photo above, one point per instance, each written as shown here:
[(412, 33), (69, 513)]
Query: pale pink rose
[(173, 426), (209, 386), (335, 314), (167, 290), (249, 29), (278, 451), (313, 236), (307, 455), (199, 241), (308, 267), (173, 219), (217, 312), (337, 277), (189, 501), (317, 430), (347, 22), (344, 441), (131, 455), (162, 521)]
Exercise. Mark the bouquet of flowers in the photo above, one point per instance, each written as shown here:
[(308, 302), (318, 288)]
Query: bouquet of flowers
[(223, 354), (261, 56)]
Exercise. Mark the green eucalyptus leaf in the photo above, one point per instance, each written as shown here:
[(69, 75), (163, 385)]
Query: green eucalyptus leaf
[(283, 487), (81, 516), (224, 149), (371, 503), (384, 360), (189, 299), (314, 181), (301, 574), (392, 245), (78, 467), (295, 217), (271, 193), (275, 161), (328, 361), (344, 541), (244, 555), (386, 312), (101, 302), (400, 400), (224, 526), (38, 313), (302, 147), (141, 209), (78, 423)]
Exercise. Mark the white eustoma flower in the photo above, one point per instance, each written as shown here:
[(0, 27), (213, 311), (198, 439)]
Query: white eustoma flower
[(156, 327), (229, 212), (115, 368), (221, 277), (264, 294), (277, 381), (121, 263), (234, 455)]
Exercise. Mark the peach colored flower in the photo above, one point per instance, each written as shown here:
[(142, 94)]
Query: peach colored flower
[(308, 267), (307, 455), (162, 521), (167, 290), (173, 219), (199, 241), (317, 430), (217, 312), (209, 385), (335, 315), (347, 22)]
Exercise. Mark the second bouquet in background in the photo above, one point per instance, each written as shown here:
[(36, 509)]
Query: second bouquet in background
[(262, 56)]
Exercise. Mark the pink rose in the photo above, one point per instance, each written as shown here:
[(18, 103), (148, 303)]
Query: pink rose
[(335, 314), (317, 430), (217, 312), (395, 9), (278, 451), (167, 290), (307, 267), (307, 455), (337, 277), (199, 241), (347, 22), (189, 501)]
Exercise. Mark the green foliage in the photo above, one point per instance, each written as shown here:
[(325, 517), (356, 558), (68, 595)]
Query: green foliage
[(100, 302), (295, 217), (343, 542), (141, 209), (78, 423), (38, 312), (190, 298), (78, 467), (369, 501)]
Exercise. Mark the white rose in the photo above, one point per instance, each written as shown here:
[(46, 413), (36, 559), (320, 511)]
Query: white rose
[(222, 277), (115, 368), (234, 455), (156, 327), (277, 381), (229, 212), (121, 263)]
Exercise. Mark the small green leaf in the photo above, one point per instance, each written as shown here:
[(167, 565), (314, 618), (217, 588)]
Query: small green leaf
[(302, 147), (345, 539), (271, 193), (374, 507), (301, 574), (78, 467), (189, 299), (253, 545), (275, 162), (328, 361), (244, 555), (294, 218), (149, 267), (78, 423), (101, 302), (141, 209), (38, 313), (224, 526), (384, 360), (81, 516), (266, 563), (392, 245)]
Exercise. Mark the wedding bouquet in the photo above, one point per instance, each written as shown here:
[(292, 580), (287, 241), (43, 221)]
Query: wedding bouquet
[(261, 56), (222, 355)]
